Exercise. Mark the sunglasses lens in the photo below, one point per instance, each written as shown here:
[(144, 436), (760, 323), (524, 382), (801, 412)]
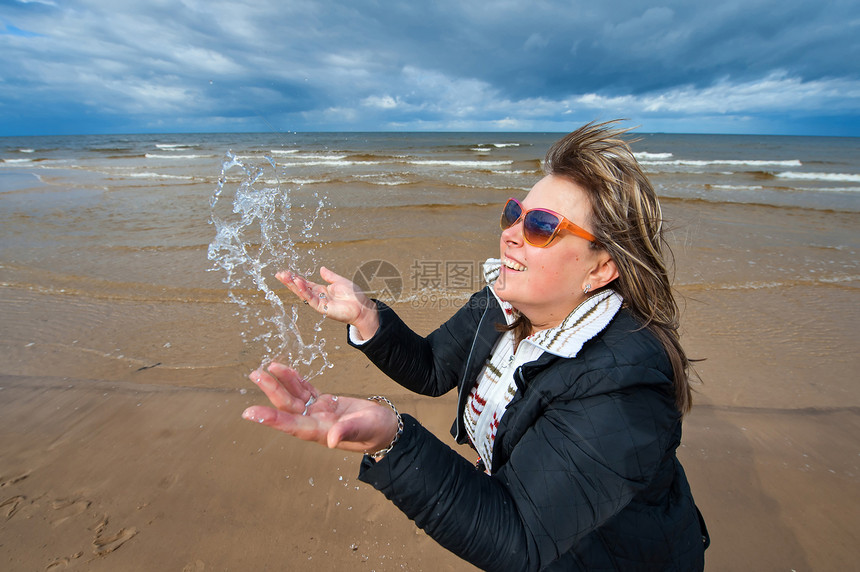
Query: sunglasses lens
[(539, 226), (511, 214)]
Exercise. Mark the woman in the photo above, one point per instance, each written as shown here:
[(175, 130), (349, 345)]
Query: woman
[(572, 385)]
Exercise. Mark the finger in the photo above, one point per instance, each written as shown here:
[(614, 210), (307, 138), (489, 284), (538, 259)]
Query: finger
[(289, 279), (285, 276), (292, 381), (343, 288), (346, 433), (296, 284), (277, 393), (330, 276), (305, 428), (260, 414)]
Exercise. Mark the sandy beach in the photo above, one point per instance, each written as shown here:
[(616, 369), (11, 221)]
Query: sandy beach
[(122, 386)]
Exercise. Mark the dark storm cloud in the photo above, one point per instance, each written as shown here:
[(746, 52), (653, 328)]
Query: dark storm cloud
[(754, 66)]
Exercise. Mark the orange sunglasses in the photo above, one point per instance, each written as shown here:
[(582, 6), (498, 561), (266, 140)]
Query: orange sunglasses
[(540, 226)]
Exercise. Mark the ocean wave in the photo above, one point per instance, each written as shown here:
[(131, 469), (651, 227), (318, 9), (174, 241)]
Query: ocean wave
[(283, 151), (320, 156), (457, 163), (158, 156), (113, 291), (171, 146), (764, 285), (386, 179), (26, 150), (17, 161), (298, 181), (391, 183), (646, 156), (730, 162), (735, 187), (329, 163), (831, 177), (487, 147), (157, 176), (516, 172)]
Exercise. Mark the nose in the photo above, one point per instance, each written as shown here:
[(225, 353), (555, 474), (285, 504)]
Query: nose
[(513, 235)]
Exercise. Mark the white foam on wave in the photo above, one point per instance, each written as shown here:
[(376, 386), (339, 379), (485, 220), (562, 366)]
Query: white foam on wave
[(26, 150), (395, 183), (503, 145), (17, 161), (171, 146), (455, 163), (283, 151), (297, 181), (376, 179), (763, 285), (329, 163), (321, 156), (646, 156), (831, 177), (158, 176), (158, 156), (736, 187)]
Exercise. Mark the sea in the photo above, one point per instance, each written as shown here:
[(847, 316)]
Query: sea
[(134, 250)]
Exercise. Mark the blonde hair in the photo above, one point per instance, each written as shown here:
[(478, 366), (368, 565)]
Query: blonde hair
[(627, 220)]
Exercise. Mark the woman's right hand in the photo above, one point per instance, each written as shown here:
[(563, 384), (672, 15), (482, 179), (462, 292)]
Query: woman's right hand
[(347, 423), (340, 300)]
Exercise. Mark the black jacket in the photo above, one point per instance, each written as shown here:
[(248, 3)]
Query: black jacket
[(584, 473)]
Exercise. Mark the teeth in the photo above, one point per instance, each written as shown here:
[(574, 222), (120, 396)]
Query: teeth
[(513, 265)]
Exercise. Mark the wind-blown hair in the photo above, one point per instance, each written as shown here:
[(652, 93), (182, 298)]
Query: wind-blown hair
[(627, 220)]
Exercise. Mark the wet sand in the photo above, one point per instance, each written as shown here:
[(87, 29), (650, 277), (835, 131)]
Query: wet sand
[(122, 447)]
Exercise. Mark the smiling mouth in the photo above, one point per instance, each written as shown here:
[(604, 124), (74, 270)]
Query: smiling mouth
[(513, 265)]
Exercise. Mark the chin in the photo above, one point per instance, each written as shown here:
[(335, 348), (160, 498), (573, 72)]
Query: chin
[(508, 295)]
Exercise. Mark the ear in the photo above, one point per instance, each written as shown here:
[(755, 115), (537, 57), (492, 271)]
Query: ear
[(604, 271)]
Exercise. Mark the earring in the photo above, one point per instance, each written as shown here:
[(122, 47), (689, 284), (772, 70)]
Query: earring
[(587, 288)]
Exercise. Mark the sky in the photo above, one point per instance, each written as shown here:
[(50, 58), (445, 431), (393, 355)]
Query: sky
[(786, 67)]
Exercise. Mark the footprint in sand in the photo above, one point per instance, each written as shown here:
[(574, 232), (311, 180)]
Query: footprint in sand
[(63, 562), (6, 481), (11, 505), (167, 482), (70, 508), (103, 544)]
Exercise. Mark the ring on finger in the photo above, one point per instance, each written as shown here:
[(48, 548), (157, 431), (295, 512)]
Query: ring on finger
[(310, 402)]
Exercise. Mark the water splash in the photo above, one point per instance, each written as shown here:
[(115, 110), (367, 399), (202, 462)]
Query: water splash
[(258, 231)]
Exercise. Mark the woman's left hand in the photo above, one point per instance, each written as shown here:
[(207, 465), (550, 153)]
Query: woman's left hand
[(347, 423)]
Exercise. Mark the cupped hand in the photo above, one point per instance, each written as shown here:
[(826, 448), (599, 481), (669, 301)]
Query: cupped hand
[(347, 423), (339, 300)]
